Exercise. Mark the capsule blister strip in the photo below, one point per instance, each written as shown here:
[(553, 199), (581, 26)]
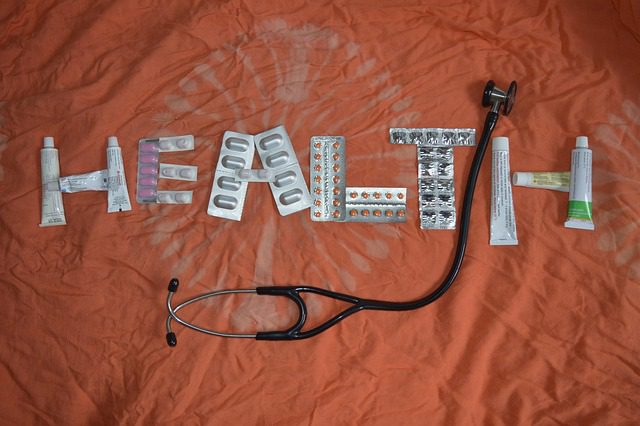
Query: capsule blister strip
[(175, 197), (328, 171), (377, 205), (178, 172), (148, 167), (227, 192), (289, 188), (432, 136), (176, 143), (254, 175), (435, 188)]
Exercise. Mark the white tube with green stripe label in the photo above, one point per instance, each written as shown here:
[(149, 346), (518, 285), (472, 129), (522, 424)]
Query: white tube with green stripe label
[(580, 214)]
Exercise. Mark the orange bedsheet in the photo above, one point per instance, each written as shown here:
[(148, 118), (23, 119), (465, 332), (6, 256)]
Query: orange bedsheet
[(542, 333)]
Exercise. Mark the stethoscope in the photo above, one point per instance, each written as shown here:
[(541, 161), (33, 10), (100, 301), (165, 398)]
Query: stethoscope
[(495, 98)]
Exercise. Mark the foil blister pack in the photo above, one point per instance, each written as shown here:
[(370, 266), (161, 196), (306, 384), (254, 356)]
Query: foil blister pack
[(377, 205), (176, 143), (228, 193), (288, 187), (280, 169), (432, 136), (254, 175), (175, 197), (150, 169), (178, 172), (328, 172), (435, 187)]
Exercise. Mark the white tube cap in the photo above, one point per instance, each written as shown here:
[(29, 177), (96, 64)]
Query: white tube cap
[(48, 142), (582, 142), (112, 141), (500, 143), (522, 178)]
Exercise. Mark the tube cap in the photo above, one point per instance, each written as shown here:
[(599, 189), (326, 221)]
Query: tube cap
[(521, 178), (112, 141), (500, 143), (48, 142), (582, 142)]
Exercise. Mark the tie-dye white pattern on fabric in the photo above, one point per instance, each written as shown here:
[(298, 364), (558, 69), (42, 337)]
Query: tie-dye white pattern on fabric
[(620, 226), (294, 81)]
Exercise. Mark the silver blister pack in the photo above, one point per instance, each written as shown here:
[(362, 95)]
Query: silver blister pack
[(254, 175), (435, 188), (227, 192), (176, 143), (375, 205), (175, 197), (432, 136), (327, 173), (289, 188), (178, 172)]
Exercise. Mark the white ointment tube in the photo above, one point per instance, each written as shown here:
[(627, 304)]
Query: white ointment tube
[(503, 221), (52, 207), (556, 181), (93, 181), (580, 214), (118, 193)]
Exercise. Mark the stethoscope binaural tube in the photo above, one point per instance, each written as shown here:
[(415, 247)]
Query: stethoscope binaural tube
[(492, 97)]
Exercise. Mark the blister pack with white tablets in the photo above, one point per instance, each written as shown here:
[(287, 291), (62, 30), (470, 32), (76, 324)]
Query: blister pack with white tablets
[(175, 197), (150, 169), (228, 192), (289, 189), (254, 175), (176, 143), (178, 172)]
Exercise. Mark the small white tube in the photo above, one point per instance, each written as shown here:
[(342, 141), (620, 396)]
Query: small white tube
[(556, 181), (93, 181), (52, 207), (503, 221), (580, 214), (118, 194)]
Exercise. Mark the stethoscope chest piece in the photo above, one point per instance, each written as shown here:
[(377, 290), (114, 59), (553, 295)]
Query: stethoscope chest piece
[(494, 97)]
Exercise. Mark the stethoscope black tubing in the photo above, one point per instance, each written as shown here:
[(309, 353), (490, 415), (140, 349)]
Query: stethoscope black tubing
[(359, 304)]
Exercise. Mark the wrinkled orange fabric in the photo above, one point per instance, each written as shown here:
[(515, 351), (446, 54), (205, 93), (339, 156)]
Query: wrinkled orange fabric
[(542, 333)]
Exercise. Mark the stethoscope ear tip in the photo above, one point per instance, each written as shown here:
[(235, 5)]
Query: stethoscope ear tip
[(171, 339), (173, 285)]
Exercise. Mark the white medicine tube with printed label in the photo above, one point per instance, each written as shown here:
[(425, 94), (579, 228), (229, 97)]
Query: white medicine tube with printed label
[(580, 213), (503, 220), (52, 207), (118, 194), (92, 181)]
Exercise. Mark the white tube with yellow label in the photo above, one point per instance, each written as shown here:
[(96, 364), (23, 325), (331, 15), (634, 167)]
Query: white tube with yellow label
[(52, 207), (503, 220), (118, 194), (556, 181)]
